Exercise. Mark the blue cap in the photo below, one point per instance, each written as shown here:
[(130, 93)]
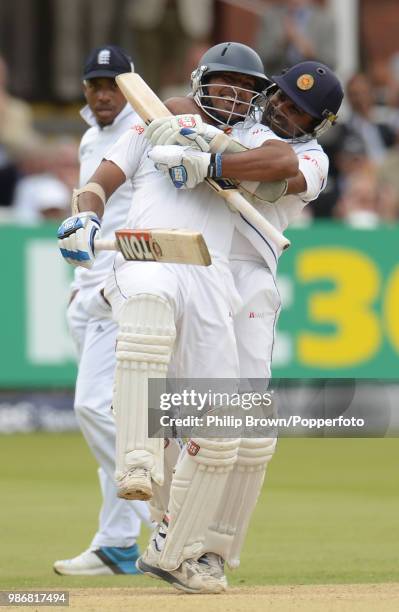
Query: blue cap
[(313, 87), (107, 61)]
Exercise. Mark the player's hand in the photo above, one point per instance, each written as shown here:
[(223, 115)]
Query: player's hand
[(185, 167), (185, 130), (76, 238)]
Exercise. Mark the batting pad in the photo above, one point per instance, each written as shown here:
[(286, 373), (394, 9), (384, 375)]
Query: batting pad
[(227, 530), (197, 486), (144, 345), (159, 503)]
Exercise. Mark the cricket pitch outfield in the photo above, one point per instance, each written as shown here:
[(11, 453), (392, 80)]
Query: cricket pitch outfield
[(324, 534)]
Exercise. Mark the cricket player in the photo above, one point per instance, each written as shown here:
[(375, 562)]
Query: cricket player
[(175, 315), (300, 104), (113, 548)]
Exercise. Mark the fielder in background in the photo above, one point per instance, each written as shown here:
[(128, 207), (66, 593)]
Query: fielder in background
[(113, 549)]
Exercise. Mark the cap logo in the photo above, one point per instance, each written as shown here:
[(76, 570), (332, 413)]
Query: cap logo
[(305, 82), (104, 56)]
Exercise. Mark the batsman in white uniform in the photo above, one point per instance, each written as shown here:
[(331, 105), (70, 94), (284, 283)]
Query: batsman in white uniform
[(165, 309), (300, 104), (113, 548)]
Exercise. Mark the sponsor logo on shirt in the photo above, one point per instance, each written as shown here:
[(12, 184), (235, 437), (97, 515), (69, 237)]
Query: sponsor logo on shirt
[(138, 128), (312, 161), (258, 131)]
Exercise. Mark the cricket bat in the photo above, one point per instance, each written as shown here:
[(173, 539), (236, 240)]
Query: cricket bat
[(163, 245), (148, 106)]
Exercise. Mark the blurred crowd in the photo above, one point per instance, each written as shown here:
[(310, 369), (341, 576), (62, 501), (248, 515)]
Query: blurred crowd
[(36, 175), (166, 39)]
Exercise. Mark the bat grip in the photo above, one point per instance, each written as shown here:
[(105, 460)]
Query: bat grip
[(105, 245), (239, 203)]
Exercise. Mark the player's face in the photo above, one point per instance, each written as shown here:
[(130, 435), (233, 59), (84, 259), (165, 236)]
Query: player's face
[(285, 118), (104, 98), (231, 93)]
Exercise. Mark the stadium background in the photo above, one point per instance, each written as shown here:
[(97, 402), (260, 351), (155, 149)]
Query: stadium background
[(339, 283)]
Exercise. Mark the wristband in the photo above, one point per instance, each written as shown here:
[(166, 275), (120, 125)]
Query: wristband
[(215, 166)]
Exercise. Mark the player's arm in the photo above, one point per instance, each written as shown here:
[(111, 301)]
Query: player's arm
[(77, 234), (311, 172), (109, 177), (273, 161), (271, 164), (120, 162), (296, 184)]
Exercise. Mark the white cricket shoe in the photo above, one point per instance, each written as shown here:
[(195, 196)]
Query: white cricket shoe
[(135, 484), (100, 562), (215, 565), (190, 577)]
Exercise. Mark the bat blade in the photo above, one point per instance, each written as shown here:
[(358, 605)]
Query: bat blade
[(166, 246), (144, 101)]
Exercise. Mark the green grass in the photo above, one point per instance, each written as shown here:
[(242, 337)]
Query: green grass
[(327, 514)]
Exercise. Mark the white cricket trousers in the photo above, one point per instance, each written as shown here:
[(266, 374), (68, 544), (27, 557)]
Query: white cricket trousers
[(203, 300), (94, 334), (255, 324)]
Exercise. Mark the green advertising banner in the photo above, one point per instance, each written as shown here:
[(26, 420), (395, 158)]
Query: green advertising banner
[(36, 348), (340, 290), (340, 318)]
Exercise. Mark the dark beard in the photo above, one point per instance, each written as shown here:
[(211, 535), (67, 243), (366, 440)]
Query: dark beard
[(294, 133)]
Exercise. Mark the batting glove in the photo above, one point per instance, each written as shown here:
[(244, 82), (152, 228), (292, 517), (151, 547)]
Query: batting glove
[(76, 237), (185, 167), (185, 130)]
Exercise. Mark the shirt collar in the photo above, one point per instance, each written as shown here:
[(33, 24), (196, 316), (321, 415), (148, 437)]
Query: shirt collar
[(87, 115)]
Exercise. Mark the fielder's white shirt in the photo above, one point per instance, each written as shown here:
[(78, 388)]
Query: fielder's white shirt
[(158, 204), (94, 144), (248, 242)]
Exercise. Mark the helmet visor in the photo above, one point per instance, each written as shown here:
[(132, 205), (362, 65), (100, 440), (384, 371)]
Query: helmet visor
[(229, 104)]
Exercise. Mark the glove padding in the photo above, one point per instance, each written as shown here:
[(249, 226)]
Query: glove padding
[(185, 130), (260, 193), (76, 237), (185, 167)]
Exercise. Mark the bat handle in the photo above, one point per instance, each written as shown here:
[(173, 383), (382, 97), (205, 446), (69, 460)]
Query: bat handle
[(105, 245), (239, 203)]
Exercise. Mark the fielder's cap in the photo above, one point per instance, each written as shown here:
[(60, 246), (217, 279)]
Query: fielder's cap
[(107, 61)]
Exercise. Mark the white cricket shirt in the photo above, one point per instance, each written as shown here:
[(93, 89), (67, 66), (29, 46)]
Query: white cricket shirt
[(158, 204), (248, 242)]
